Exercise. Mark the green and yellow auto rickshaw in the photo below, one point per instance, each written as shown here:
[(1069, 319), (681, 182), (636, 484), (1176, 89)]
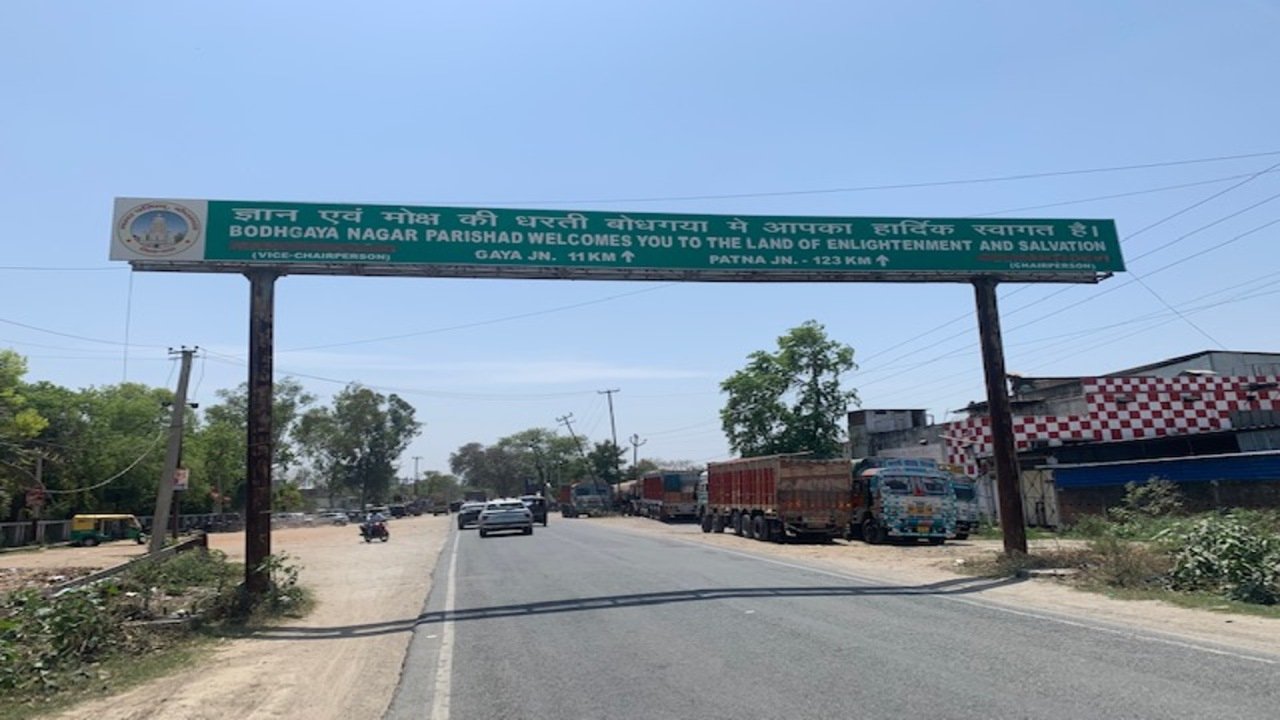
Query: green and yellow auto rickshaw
[(93, 529)]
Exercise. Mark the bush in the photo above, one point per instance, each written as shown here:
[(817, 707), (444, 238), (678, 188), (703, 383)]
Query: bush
[(1226, 555), (1120, 563), (1156, 497)]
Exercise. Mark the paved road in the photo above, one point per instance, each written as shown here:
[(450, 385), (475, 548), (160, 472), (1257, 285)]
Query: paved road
[(584, 621)]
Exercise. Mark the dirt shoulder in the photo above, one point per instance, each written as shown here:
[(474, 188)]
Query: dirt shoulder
[(343, 660), (924, 564)]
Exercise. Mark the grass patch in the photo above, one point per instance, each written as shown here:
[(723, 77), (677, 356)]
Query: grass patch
[(55, 648), (115, 675), (1193, 600)]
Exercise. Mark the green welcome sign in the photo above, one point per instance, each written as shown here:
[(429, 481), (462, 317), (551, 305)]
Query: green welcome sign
[(220, 235)]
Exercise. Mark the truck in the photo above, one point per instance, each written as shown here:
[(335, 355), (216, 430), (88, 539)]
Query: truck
[(966, 493), (475, 496), (584, 498), (901, 499), (778, 497), (626, 497), (669, 495)]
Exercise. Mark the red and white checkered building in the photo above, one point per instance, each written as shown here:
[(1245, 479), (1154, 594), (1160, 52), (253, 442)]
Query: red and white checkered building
[(1120, 409)]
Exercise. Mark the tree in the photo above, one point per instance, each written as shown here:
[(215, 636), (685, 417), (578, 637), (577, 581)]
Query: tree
[(605, 458), (18, 424), (790, 400), (436, 484), (536, 454), (355, 444)]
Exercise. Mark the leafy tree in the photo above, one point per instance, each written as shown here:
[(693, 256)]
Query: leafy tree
[(536, 454), (355, 444), (441, 485), (18, 423), (605, 459), (790, 400)]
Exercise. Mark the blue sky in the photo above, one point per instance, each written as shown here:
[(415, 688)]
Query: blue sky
[(636, 106)]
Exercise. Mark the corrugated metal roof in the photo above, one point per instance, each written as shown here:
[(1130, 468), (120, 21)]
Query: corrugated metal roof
[(1247, 467)]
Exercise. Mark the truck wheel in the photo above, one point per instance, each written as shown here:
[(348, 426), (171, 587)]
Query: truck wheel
[(962, 536), (748, 527), (937, 540), (736, 521), (760, 529), (872, 533), (706, 523), (717, 523)]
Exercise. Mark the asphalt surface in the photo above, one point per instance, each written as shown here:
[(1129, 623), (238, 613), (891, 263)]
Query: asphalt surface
[(584, 621)]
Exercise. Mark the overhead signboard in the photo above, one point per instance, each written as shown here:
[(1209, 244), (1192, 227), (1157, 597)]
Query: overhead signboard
[(231, 236)]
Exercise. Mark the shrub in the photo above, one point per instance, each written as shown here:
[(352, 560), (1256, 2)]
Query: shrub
[(1224, 554), (1116, 562), (1156, 497)]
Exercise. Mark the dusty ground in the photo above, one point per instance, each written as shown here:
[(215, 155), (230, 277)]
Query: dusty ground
[(924, 564), (341, 661)]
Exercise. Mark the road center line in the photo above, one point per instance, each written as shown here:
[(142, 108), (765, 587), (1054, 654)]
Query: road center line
[(444, 667)]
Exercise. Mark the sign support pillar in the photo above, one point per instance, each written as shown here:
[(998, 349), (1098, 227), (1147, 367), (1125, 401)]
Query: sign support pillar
[(1008, 482), (257, 537)]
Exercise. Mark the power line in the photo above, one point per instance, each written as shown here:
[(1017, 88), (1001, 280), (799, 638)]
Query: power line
[(897, 186), (52, 268), (73, 336)]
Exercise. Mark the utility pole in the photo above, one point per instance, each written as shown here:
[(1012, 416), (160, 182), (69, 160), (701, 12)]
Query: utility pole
[(613, 431), (566, 421), (416, 458), (164, 494), (636, 442), (257, 507)]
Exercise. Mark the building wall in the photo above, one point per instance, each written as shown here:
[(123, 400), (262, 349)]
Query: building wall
[(1121, 409)]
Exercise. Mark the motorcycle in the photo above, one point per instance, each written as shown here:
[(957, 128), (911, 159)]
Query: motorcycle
[(371, 531)]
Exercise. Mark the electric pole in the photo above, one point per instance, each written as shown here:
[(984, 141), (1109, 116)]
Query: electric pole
[(613, 432), (636, 442), (416, 458), (164, 494), (566, 421)]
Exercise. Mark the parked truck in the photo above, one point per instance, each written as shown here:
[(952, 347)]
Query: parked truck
[(778, 497), (669, 495), (966, 493), (584, 498), (901, 498), (626, 497)]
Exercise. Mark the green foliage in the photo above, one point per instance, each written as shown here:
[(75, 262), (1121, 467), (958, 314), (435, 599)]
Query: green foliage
[(354, 444), (1156, 497), (1224, 554), (536, 453), (1117, 563), (606, 462), (790, 400)]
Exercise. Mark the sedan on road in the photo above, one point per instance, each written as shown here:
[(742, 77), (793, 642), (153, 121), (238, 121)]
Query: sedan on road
[(505, 515), (469, 514)]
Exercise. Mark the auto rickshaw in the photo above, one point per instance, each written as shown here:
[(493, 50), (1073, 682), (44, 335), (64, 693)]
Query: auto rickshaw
[(93, 529)]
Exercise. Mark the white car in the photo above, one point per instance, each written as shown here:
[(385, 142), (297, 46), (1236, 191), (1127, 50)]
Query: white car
[(505, 514)]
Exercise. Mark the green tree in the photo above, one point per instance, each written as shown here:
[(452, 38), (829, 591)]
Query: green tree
[(435, 484), (355, 444), (535, 454), (790, 400), (19, 423), (606, 459)]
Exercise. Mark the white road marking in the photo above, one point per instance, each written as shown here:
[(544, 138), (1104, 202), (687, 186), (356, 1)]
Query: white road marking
[(444, 667), (988, 604)]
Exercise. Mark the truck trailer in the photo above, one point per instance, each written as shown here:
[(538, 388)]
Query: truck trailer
[(669, 495), (777, 497)]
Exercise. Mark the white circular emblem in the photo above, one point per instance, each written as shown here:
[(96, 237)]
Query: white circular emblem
[(159, 229)]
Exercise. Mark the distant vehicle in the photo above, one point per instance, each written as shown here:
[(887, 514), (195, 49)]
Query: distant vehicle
[(538, 506), (469, 514), (777, 497), (371, 530), (475, 496), (584, 498), (437, 506), (399, 510), (626, 497), (455, 506), (901, 498), (291, 519), (669, 495), (93, 529), (966, 506), (334, 517), (505, 514)]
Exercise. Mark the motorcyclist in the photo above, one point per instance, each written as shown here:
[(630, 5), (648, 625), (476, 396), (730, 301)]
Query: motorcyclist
[(374, 521)]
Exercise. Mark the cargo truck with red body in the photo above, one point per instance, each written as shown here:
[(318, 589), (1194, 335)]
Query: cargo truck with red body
[(669, 495), (778, 497)]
